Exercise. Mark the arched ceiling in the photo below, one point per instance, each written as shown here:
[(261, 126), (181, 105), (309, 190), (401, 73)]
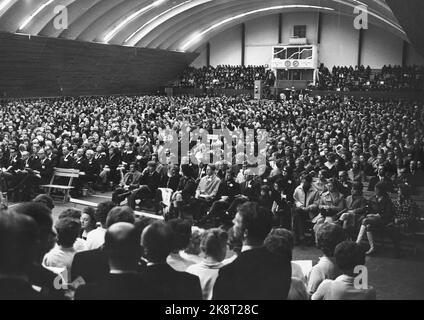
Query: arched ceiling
[(182, 25)]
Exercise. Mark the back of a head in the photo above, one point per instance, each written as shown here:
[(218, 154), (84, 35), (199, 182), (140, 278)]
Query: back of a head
[(181, 231), (102, 211), (41, 214), (19, 237), (120, 214), (256, 220), (280, 242), (70, 213), (122, 242), (157, 241), (214, 243), (348, 255), (44, 199), (67, 230), (329, 235)]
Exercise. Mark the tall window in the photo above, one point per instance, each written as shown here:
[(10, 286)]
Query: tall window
[(299, 31)]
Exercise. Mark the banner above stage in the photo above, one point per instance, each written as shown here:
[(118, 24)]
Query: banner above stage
[(294, 57)]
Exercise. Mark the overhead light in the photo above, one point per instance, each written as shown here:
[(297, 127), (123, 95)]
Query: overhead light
[(196, 37), (130, 18), (40, 8), (155, 18)]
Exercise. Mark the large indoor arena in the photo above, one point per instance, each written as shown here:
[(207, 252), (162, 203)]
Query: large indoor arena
[(211, 150)]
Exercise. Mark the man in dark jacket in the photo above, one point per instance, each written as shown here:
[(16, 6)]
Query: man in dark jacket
[(168, 283), (123, 282), (256, 274)]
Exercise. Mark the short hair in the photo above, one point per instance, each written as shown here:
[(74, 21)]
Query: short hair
[(381, 186), (40, 213), (157, 241), (256, 219), (44, 199), (280, 242), (181, 231), (187, 170), (120, 214), (329, 235), (211, 166), (307, 178), (70, 213), (18, 242), (102, 211), (68, 230), (348, 255), (213, 242)]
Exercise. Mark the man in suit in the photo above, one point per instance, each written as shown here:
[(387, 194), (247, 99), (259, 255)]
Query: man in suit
[(256, 274), (381, 177), (130, 181), (250, 188), (46, 167), (170, 284), (66, 161), (306, 199), (18, 246), (206, 191), (92, 170), (39, 276), (148, 193), (123, 282)]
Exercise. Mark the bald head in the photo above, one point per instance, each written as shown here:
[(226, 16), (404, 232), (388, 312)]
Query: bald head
[(122, 242)]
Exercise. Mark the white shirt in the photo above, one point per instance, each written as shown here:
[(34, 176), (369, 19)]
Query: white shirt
[(343, 288), (95, 238), (324, 269), (59, 257), (207, 273)]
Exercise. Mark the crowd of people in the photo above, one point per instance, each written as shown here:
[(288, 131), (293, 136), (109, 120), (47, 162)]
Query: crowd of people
[(225, 77), (320, 153), (147, 259), (389, 78), (339, 78)]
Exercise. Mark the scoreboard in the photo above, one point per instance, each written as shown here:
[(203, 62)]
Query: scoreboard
[(294, 57)]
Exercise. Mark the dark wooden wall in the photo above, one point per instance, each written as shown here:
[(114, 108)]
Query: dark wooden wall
[(39, 66)]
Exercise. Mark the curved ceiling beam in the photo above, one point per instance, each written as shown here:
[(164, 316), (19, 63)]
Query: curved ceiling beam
[(168, 25), (151, 39), (147, 26), (81, 23), (201, 11), (95, 32), (75, 10)]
